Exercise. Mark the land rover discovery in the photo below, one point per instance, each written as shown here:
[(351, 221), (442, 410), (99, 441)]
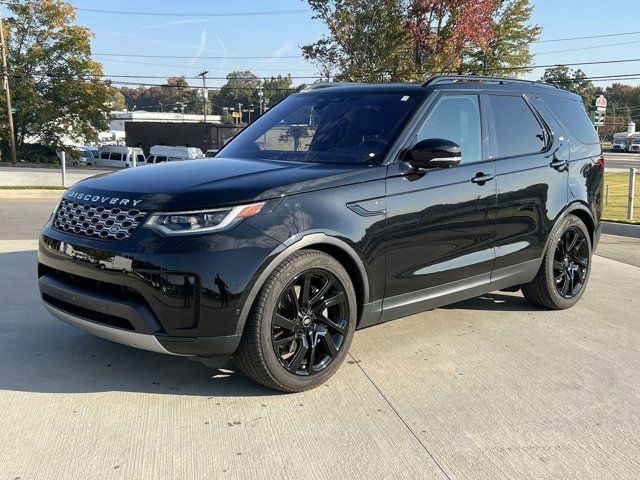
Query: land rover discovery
[(342, 207)]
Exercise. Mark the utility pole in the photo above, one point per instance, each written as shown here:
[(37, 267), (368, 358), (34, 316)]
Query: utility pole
[(240, 112), (5, 86), (204, 94)]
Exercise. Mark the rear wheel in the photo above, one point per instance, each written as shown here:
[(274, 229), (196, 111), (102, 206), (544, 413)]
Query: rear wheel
[(301, 325), (565, 269)]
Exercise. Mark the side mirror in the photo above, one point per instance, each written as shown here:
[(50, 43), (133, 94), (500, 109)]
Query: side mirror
[(435, 153)]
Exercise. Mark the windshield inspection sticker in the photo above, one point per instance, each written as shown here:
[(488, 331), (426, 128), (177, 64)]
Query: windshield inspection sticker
[(405, 98)]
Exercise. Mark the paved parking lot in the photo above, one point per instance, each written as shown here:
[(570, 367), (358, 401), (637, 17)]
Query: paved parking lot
[(485, 389)]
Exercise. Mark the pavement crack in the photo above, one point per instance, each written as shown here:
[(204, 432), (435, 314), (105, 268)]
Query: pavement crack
[(393, 408)]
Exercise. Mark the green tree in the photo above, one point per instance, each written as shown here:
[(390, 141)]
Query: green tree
[(173, 95), (241, 87), (56, 87), (275, 89), (117, 100), (509, 46), (368, 40), (404, 40), (568, 79)]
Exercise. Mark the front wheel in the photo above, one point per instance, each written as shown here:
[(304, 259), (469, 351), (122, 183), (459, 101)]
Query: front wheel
[(565, 269), (301, 325)]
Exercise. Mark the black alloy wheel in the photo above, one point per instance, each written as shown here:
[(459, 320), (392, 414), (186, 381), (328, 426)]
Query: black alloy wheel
[(301, 324), (571, 262), (310, 322), (564, 272)]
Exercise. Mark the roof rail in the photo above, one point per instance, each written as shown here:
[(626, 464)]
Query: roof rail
[(319, 85), (439, 79)]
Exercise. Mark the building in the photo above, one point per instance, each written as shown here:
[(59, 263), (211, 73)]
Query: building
[(119, 118), (207, 136)]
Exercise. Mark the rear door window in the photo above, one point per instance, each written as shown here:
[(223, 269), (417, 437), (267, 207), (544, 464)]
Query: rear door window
[(572, 114), (140, 158), (517, 129)]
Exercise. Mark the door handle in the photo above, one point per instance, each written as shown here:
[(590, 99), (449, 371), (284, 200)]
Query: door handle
[(558, 164), (482, 178)]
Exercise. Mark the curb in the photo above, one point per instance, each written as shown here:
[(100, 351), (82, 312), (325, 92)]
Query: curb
[(621, 229), (27, 193)]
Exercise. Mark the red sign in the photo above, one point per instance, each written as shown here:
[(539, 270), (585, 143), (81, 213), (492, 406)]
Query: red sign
[(601, 102)]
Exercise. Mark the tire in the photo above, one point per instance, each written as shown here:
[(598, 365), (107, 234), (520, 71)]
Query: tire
[(280, 313), (562, 268)]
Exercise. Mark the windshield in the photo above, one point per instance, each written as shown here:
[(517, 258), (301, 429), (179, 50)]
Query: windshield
[(329, 127)]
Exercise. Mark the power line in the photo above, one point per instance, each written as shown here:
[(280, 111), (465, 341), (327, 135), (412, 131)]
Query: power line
[(586, 37), (181, 14), (137, 62), (164, 77), (621, 76), (520, 67), (218, 57), (587, 48)]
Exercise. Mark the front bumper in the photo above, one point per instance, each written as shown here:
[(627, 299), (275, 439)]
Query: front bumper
[(132, 339), (180, 296)]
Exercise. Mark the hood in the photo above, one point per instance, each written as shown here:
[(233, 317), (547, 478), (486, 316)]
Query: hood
[(213, 182)]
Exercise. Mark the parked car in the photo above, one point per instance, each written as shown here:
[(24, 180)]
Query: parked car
[(635, 145), (393, 199), (211, 153), (622, 141), (163, 153), (78, 156), (119, 156)]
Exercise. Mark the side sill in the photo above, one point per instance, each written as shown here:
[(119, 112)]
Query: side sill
[(434, 297)]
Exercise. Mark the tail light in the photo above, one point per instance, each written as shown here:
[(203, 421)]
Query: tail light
[(601, 161)]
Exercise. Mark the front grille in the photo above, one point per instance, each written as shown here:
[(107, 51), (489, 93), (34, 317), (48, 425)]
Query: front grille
[(97, 221)]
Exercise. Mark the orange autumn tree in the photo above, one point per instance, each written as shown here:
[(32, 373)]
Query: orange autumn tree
[(407, 40), (445, 32)]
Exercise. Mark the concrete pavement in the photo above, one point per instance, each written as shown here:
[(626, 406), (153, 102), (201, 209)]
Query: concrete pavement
[(488, 389)]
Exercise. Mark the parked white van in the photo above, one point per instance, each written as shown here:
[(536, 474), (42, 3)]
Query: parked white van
[(163, 153), (119, 156)]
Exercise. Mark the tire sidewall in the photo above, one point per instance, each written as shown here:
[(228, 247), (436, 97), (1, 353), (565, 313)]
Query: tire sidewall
[(275, 368), (568, 222)]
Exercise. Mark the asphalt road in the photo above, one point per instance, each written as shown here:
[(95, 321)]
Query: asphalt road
[(45, 176), (488, 389), (622, 160)]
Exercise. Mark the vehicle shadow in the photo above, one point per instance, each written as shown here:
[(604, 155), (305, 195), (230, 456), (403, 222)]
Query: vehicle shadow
[(495, 302), (41, 354)]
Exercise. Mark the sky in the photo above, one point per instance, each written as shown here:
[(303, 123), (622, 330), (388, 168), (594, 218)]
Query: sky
[(194, 37)]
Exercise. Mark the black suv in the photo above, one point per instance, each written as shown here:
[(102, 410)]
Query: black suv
[(344, 206)]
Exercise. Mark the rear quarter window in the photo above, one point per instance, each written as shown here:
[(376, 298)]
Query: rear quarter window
[(572, 114)]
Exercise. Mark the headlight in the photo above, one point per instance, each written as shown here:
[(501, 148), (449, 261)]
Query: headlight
[(201, 221)]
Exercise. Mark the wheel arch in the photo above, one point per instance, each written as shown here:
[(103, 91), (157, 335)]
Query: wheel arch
[(337, 248), (582, 212)]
